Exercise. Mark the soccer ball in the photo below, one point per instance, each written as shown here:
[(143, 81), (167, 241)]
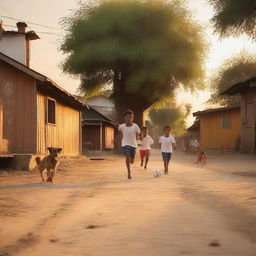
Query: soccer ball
[(157, 173)]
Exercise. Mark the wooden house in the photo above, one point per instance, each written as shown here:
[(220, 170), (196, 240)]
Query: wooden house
[(98, 131), (247, 90), (102, 104), (35, 113), (219, 128)]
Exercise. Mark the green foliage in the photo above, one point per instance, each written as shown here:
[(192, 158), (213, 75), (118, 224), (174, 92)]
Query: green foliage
[(144, 48), (174, 117), (234, 17), (234, 70)]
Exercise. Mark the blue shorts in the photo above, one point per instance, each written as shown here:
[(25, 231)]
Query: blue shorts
[(130, 151), (166, 156)]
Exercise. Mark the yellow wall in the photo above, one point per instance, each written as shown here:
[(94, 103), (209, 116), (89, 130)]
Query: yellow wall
[(64, 134), (212, 136)]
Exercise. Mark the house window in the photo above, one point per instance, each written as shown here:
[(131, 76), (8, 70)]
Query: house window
[(51, 111), (225, 122)]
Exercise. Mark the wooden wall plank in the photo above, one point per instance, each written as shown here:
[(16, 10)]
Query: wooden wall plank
[(65, 133), (19, 126), (41, 124)]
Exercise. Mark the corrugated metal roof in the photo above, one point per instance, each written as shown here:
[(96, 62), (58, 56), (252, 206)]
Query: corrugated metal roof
[(92, 114), (241, 86)]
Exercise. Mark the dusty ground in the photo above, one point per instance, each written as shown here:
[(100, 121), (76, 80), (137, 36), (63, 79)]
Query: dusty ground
[(93, 210)]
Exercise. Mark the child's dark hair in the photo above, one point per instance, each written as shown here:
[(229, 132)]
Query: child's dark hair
[(128, 112), (144, 128), (167, 127)]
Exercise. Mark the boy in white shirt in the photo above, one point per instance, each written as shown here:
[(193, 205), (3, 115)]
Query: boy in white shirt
[(167, 142), (145, 143), (130, 131)]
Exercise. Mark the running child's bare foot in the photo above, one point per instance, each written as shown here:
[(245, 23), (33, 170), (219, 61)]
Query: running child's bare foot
[(145, 167), (129, 177)]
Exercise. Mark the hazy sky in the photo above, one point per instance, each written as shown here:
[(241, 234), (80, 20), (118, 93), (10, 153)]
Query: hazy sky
[(46, 58)]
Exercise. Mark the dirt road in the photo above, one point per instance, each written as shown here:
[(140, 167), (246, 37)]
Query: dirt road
[(93, 210)]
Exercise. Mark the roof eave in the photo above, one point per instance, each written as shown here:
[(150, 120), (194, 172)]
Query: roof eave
[(41, 78), (210, 111), (109, 119)]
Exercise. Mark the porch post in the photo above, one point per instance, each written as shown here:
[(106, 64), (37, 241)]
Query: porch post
[(101, 133)]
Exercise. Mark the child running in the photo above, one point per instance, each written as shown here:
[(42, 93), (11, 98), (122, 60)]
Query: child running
[(145, 143), (130, 131), (167, 142)]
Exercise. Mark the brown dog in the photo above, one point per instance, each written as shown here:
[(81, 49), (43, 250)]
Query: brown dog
[(49, 163), (202, 159)]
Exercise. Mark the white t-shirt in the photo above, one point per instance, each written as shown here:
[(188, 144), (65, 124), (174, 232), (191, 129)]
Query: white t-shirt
[(196, 143), (129, 134), (166, 143), (145, 143)]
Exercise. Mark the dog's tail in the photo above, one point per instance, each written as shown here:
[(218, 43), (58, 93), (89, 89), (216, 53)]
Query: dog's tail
[(38, 160)]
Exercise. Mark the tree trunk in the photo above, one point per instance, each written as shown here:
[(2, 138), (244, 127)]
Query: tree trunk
[(139, 118), (124, 101), (138, 113)]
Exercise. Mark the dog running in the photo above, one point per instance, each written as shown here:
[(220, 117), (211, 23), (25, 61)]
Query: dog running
[(48, 163)]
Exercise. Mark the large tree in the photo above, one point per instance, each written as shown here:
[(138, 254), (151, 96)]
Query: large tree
[(174, 117), (145, 49), (233, 70), (234, 17)]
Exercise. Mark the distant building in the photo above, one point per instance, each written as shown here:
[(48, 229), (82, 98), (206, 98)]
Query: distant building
[(98, 131), (104, 105), (218, 128), (247, 90)]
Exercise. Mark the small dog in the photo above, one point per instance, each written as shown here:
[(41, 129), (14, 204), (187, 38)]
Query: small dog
[(49, 163), (202, 159)]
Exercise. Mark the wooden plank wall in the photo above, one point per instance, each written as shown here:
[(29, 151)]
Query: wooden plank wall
[(19, 110), (91, 134), (64, 134), (212, 136), (248, 113), (3, 147), (109, 137), (68, 133), (41, 124)]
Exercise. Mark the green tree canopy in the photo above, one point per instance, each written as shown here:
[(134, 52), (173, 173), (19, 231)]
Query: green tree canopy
[(174, 117), (144, 48), (234, 17), (233, 70)]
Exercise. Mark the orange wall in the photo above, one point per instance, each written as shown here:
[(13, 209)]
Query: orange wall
[(64, 134), (212, 136)]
